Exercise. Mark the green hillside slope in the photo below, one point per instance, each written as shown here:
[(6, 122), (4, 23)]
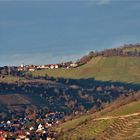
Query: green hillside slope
[(125, 69), (120, 123)]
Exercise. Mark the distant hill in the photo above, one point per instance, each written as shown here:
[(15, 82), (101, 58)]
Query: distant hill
[(126, 50), (105, 77), (114, 68), (115, 64), (119, 121)]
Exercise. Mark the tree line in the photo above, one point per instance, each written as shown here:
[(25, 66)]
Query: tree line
[(126, 50)]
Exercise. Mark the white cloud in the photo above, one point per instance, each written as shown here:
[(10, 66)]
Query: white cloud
[(37, 58), (102, 2), (98, 2)]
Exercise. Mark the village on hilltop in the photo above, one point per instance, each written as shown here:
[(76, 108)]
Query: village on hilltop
[(14, 70), (44, 66)]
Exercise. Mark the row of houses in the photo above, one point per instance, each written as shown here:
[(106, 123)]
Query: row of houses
[(50, 66)]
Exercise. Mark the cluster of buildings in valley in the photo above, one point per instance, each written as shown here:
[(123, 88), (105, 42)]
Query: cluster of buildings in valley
[(25, 128)]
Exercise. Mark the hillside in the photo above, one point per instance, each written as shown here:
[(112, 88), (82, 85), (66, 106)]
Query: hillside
[(65, 95), (99, 99), (118, 121), (115, 68)]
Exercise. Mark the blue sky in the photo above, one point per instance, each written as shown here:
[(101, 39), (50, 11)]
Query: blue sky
[(51, 31)]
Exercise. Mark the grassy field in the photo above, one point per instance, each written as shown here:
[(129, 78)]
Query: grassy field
[(10, 79), (73, 123), (92, 129), (113, 128), (127, 109), (123, 110), (124, 69)]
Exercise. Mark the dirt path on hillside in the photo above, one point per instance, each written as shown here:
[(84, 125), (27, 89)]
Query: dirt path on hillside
[(117, 117)]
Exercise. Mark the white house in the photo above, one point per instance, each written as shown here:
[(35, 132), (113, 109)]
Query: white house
[(44, 66), (56, 66), (52, 67), (31, 69), (73, 65)]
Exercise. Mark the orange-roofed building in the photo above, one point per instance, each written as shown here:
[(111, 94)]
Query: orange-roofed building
[(1, 138)]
